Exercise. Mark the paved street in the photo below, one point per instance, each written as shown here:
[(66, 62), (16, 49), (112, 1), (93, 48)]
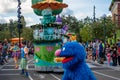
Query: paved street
[(102, 72)]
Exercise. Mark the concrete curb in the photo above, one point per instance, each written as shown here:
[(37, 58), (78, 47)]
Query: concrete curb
[(105, 65)]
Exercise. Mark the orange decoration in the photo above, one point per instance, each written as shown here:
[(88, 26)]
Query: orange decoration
[(52, 4)]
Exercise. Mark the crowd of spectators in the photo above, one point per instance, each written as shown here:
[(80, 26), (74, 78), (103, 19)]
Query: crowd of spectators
[(12, 50), (100, 52), (97, 51)]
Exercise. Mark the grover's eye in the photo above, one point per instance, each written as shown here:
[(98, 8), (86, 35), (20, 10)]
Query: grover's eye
[(63, 48)]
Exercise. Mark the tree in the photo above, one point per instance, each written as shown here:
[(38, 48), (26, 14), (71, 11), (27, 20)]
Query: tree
[(4, 33), (73, 24), (103, 28), (27, 34), (23, 22), (118, 34), (86, 33)]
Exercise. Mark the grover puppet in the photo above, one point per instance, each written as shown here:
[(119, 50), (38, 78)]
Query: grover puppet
[(74, 62)]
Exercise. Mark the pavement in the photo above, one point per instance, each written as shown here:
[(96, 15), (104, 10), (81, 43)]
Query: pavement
[(106, 65), (101, 71), (9, 60), (90, 61)]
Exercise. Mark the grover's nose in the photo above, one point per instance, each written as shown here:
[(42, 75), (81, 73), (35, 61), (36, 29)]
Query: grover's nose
[(57, 52)]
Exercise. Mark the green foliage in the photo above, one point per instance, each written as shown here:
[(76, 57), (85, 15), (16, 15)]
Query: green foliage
[(85, 29), (4, 33), (86, 33), (118, 34), (97, 29), (74, 25), (27, 33), (8, 31), (103, 28)]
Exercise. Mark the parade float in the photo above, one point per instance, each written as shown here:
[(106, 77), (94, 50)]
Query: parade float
[(50, 36)]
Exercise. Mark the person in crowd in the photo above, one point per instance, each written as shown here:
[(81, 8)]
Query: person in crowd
[(94, 53), (101, 53), (1, 59), (114, 55), (107, 53), (89, 55), (5, 52), (108, 58), (118, 51), (11, 49), (24, 59), (31, 50), (97, 50), (15, 54), (118, 43), (119, 56)]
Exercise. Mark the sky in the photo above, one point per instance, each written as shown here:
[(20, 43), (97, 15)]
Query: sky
[(78, 8)]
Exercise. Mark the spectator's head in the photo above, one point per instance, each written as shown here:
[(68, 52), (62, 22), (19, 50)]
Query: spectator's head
[(23, 44)]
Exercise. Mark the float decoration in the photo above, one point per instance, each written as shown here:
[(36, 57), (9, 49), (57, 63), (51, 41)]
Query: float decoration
[(54, 5), (58, 20), (48, 37)]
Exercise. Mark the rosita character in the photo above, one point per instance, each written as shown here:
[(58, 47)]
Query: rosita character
[(15, 55), (75, 67)]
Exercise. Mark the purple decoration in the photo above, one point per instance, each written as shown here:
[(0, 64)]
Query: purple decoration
[(65, 27), (64, 31), (59, 20)]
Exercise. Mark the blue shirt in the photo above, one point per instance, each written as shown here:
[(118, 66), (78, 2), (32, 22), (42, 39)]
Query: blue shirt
[(22, 53), (100, 48)]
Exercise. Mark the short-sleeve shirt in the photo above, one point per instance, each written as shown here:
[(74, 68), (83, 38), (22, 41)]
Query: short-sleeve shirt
[(23, 52)]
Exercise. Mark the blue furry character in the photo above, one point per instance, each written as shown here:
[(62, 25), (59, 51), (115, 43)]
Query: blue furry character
[(74, 62)]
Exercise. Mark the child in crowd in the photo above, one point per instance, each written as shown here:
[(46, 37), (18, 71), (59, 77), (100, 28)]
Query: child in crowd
[(94, 54), (89, 54), (108, 58)]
